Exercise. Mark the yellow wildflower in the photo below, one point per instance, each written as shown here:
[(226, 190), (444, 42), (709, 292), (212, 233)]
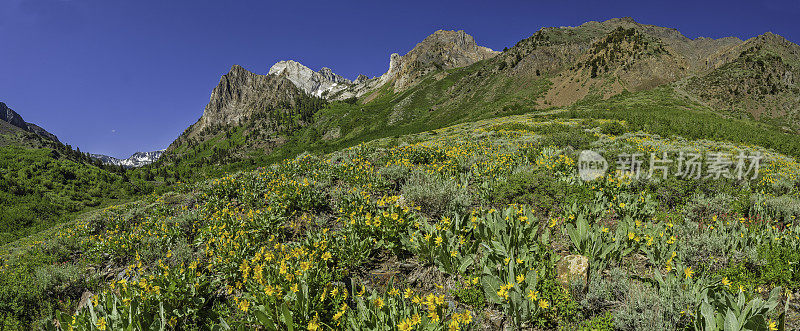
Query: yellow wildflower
[(533, 295), (544, 304)]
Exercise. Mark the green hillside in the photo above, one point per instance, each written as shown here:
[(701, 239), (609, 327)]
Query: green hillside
[(44, 182), (405, 225), (40, 188), (441, 198)]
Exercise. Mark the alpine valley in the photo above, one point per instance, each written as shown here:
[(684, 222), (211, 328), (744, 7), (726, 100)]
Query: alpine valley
[(443, 194)]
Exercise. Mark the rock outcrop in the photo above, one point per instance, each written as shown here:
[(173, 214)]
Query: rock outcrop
[(11, 117), (241, 93), (361, 79), (440, 51), (273, 99), (572, 269), (317, 83)]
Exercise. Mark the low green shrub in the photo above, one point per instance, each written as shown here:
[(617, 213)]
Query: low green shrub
[(604, 322), (469, 295), (436, 195), (537, 188), (649, 308), (613, 128), (395, 175), (703, 207)]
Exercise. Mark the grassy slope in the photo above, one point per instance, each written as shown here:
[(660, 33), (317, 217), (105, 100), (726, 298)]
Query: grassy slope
[(304, 196), (40, 187), (388, 120), (664, 112), (478, 92)]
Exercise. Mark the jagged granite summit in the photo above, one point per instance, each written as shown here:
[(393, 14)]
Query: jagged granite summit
[(441, 50), (136, 160), (317, 83), (241, 93), (11, 117), (554, 67)]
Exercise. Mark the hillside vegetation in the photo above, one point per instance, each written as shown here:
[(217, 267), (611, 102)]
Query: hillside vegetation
[(43, 183), (454, 228), (445, 194)]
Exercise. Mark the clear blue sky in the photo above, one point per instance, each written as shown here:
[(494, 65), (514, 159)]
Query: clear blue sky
[(120, 76)]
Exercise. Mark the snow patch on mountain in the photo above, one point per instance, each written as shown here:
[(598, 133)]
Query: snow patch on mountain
[(317, 83), (136, 160)]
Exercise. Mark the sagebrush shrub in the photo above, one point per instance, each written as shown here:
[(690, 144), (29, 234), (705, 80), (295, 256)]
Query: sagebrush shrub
[(436, 195), (703, 207)]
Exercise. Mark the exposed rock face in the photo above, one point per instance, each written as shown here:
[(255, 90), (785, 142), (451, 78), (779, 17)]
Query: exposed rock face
[(441, 50), (320, 83), (572, 268), (241, 93), (360, 79), (42, 132), (138, 159), (11, 117), (86, 300)]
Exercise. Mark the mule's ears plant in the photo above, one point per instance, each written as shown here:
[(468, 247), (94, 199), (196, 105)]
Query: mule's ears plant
[(108, 312), (719, 309)]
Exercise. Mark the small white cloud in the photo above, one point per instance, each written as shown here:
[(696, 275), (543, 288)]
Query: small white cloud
[(113, 130)]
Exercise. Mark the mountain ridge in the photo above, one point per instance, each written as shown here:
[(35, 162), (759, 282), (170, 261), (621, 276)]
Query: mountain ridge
[(448, 77), (138, 159), (287, 97), (11, 117)]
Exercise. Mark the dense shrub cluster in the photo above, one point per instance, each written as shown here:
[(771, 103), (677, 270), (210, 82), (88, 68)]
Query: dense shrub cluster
[(38, 190)]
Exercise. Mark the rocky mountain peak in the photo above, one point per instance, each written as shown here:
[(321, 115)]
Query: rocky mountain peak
[(316, 83), (11, 117), (241, 93), (450, 49), (776, 41), (441, 50), (361, 79), (618, 20), (330, 76)]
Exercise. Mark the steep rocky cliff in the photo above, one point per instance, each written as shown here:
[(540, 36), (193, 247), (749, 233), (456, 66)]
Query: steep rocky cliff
[(11, 117), (440, 51), (267, 104), (241, 93)]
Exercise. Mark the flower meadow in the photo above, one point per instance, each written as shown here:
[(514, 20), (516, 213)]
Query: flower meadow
[(455, 229)]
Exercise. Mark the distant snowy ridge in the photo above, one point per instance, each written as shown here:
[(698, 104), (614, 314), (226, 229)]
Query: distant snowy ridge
[(136, 160)]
